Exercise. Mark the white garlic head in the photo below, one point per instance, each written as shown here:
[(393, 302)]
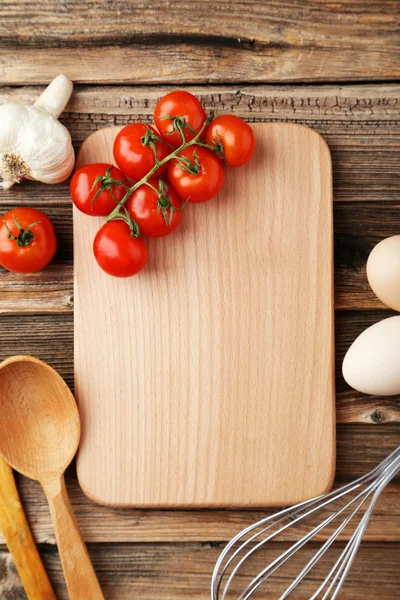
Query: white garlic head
[(33, 143)]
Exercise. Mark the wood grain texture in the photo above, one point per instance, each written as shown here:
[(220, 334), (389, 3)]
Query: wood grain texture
[(19, 539), (51, 339), (182, 571), (48, 21), (10, 584), (78, 570), (360, 123), (331, 106), (39, 434), (106, 524), (243, 41), (193, 389), (51, 290)]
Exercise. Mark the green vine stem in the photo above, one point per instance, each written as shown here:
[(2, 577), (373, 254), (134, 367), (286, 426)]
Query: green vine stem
[(25, 236), (106, 182), (178, 125)]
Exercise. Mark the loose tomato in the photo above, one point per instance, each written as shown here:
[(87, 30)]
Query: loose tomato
[(157, 214), (179, 104), (117, 252), (133, 150), (27, 240), (197, 174), (235, 136), (91, 189)]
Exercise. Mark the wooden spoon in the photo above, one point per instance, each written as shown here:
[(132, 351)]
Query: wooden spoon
[(39, 436), (19, 539)]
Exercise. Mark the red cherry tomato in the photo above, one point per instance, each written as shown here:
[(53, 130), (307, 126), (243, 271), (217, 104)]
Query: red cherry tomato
[(133, 156), (236, 137), (27, 240), (202, 184), (117, 252), (179, 104), (85, 189), (151, 213)]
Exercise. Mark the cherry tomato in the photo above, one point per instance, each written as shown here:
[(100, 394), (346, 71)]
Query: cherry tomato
[(85, 188), (151, 212), (204, 182), (133, 151), (235, 136), (27, 240), (117, 252), (179, 104)]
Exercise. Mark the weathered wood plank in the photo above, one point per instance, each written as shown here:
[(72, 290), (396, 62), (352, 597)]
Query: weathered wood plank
[(50, 337), (361, 125), (202, 42), (10, 584), (345, 41), (359, 448), (358, 227), (333, 104), (105, 524), (362, 172), (48, 291), (351, 23), (182, 571), (369, 409), (51, 290)]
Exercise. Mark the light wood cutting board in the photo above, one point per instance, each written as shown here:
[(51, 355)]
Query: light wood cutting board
[(208, 379)]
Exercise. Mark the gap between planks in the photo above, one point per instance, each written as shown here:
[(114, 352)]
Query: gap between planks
[(106, 524), (188, 64), (358, 227), (51, 291), (48, 331), (182, 571), (332, 103)]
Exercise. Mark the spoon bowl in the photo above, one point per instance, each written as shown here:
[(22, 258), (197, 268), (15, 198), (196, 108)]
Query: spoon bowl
[(39, 435), (39, 425)]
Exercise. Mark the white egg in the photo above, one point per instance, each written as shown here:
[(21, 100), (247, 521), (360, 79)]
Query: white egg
[(383, 271), (372, 363)]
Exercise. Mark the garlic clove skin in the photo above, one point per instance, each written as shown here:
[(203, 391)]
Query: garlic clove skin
[(55, 97), (33, 143)]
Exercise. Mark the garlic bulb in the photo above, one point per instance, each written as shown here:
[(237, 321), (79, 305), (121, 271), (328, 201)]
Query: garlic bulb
[(33, 143)]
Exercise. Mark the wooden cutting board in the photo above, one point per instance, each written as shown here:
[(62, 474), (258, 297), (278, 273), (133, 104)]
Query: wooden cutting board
[(208, 379)]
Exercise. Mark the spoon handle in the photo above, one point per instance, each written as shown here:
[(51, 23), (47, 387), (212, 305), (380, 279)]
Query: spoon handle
[(19, 539), (78, 570)]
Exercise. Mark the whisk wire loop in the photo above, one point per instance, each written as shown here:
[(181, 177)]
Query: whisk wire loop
[(240, 549)]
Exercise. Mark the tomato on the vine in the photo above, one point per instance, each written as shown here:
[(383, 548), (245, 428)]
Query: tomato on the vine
[(187, 110), (196, 174), (92, 191), (134, 150), (233, 138), (117, 251), (27, 240), (157, 213), (188, 147)]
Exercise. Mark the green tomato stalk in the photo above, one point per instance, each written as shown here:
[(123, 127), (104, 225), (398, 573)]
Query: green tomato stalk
[(163, 203)]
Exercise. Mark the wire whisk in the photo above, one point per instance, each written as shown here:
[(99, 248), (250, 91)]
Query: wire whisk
[(359, 499)]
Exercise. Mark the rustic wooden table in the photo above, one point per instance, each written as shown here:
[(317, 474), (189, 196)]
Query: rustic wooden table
[(332, 66)]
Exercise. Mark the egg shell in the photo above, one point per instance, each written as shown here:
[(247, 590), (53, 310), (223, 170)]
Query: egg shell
[(383, 271), (372, 363)]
